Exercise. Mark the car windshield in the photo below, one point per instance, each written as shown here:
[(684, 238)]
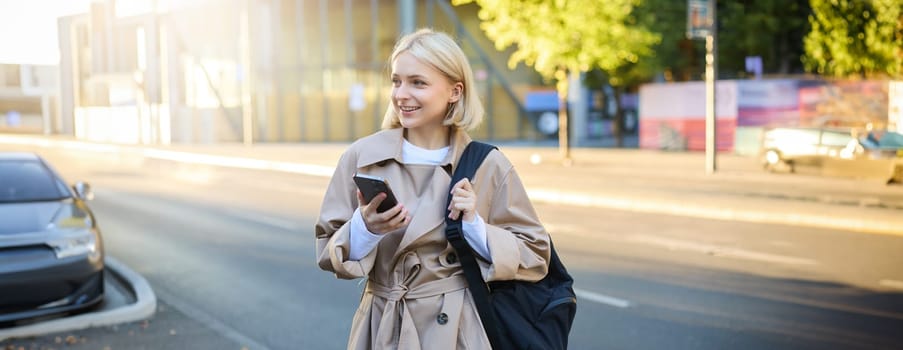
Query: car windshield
[(835, 138), (29, 181)]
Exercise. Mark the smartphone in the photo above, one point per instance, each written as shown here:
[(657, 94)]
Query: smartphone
[(371, 186)]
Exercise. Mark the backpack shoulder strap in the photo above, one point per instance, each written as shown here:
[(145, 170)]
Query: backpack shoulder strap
[(474, 155)]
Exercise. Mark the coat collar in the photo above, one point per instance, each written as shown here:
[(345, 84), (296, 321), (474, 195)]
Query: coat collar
[(386, 145), (381, 146)]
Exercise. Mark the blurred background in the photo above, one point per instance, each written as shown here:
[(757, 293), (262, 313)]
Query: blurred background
[(191, 71), (209, 130), (160, 72)]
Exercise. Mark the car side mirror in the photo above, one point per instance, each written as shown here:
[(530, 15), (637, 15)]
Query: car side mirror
[(83, 191)]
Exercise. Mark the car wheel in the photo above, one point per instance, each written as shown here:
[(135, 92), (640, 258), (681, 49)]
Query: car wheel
[(773, 161), (547, 123)]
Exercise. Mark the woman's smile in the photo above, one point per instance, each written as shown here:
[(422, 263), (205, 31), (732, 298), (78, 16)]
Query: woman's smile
[(408, 109)]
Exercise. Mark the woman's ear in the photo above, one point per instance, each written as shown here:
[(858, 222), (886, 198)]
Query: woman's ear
[(456, 93)]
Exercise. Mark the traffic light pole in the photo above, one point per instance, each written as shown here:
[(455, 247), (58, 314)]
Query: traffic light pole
[(711, 75)]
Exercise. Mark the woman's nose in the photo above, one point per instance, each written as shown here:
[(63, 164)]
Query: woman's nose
[(401, 92)]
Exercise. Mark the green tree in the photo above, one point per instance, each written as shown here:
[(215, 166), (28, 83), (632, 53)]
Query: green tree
[(566, 37), (770, 29), (675, 57), (855, 38)]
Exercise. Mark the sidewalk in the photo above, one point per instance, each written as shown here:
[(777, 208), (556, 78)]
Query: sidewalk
[(622, 179)]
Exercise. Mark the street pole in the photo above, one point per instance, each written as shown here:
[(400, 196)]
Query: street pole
[(711, 75), (563, 144), (244, 33)]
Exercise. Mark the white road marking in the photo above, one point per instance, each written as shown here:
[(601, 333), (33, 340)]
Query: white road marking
[(244, 163), (193, 177), (297, 189), (644, 205), (891, 283), (601, 298), (682, 245), (736, 253), (266, 220)]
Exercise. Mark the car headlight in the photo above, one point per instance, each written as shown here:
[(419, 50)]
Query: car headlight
[(72, 246)]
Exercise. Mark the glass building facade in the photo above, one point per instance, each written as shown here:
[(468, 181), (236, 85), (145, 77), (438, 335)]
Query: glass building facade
[(207, 71)]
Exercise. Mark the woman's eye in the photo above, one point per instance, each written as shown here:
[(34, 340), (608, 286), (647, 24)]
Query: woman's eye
[(419, 83), (396, 82)]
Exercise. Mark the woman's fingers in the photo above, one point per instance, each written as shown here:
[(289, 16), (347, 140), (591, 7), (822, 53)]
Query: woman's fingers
[(399, 220), (466, 199), (360, 199), (370, 209), (462, 184), (463, 199), (387, 221), (392, 223), (460, 206), (376, 201)]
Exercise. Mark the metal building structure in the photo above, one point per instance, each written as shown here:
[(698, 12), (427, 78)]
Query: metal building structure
[(207, 71)]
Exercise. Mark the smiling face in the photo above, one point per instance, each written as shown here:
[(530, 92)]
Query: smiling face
[(420, 93)]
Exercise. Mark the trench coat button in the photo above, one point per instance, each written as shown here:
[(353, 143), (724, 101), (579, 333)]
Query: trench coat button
[(451, 258), (442, 318)]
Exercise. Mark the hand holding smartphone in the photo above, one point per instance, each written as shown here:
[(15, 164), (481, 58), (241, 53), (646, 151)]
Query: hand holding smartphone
[(371, 186)]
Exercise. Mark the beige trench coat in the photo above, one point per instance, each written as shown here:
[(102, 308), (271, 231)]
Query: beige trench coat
[(416, 296)]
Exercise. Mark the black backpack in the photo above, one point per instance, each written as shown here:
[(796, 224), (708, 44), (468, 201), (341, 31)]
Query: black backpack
[(515, 314)]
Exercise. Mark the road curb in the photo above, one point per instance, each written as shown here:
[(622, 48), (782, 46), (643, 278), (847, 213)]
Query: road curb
[(144, 306)]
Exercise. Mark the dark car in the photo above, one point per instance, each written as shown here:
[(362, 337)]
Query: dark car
[(51, 251)]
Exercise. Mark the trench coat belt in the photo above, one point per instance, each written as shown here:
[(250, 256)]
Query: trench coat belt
[(423, 290), (399, 329)]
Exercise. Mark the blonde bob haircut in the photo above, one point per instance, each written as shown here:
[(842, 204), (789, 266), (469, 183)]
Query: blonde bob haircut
[(440, 51)]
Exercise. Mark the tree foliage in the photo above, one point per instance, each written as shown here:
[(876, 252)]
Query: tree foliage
[(855, 38), (770, 29), (560, 36), (674, 56)]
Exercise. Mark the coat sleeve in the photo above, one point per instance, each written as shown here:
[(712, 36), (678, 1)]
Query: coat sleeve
[(518, 243), (333, 228)]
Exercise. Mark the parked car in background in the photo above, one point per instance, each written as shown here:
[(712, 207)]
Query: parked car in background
[(836, 151), (786, 148), (51, 251)]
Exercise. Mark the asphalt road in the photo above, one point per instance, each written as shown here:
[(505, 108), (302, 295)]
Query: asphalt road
[(230, 254)]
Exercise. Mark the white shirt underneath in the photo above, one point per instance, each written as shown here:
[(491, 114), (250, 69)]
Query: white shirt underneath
[(363, 241)]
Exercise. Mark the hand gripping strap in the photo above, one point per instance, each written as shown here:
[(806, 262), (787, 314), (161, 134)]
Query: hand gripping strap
[(467, 166)]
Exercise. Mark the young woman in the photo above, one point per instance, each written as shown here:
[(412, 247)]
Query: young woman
[(416, 296)]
